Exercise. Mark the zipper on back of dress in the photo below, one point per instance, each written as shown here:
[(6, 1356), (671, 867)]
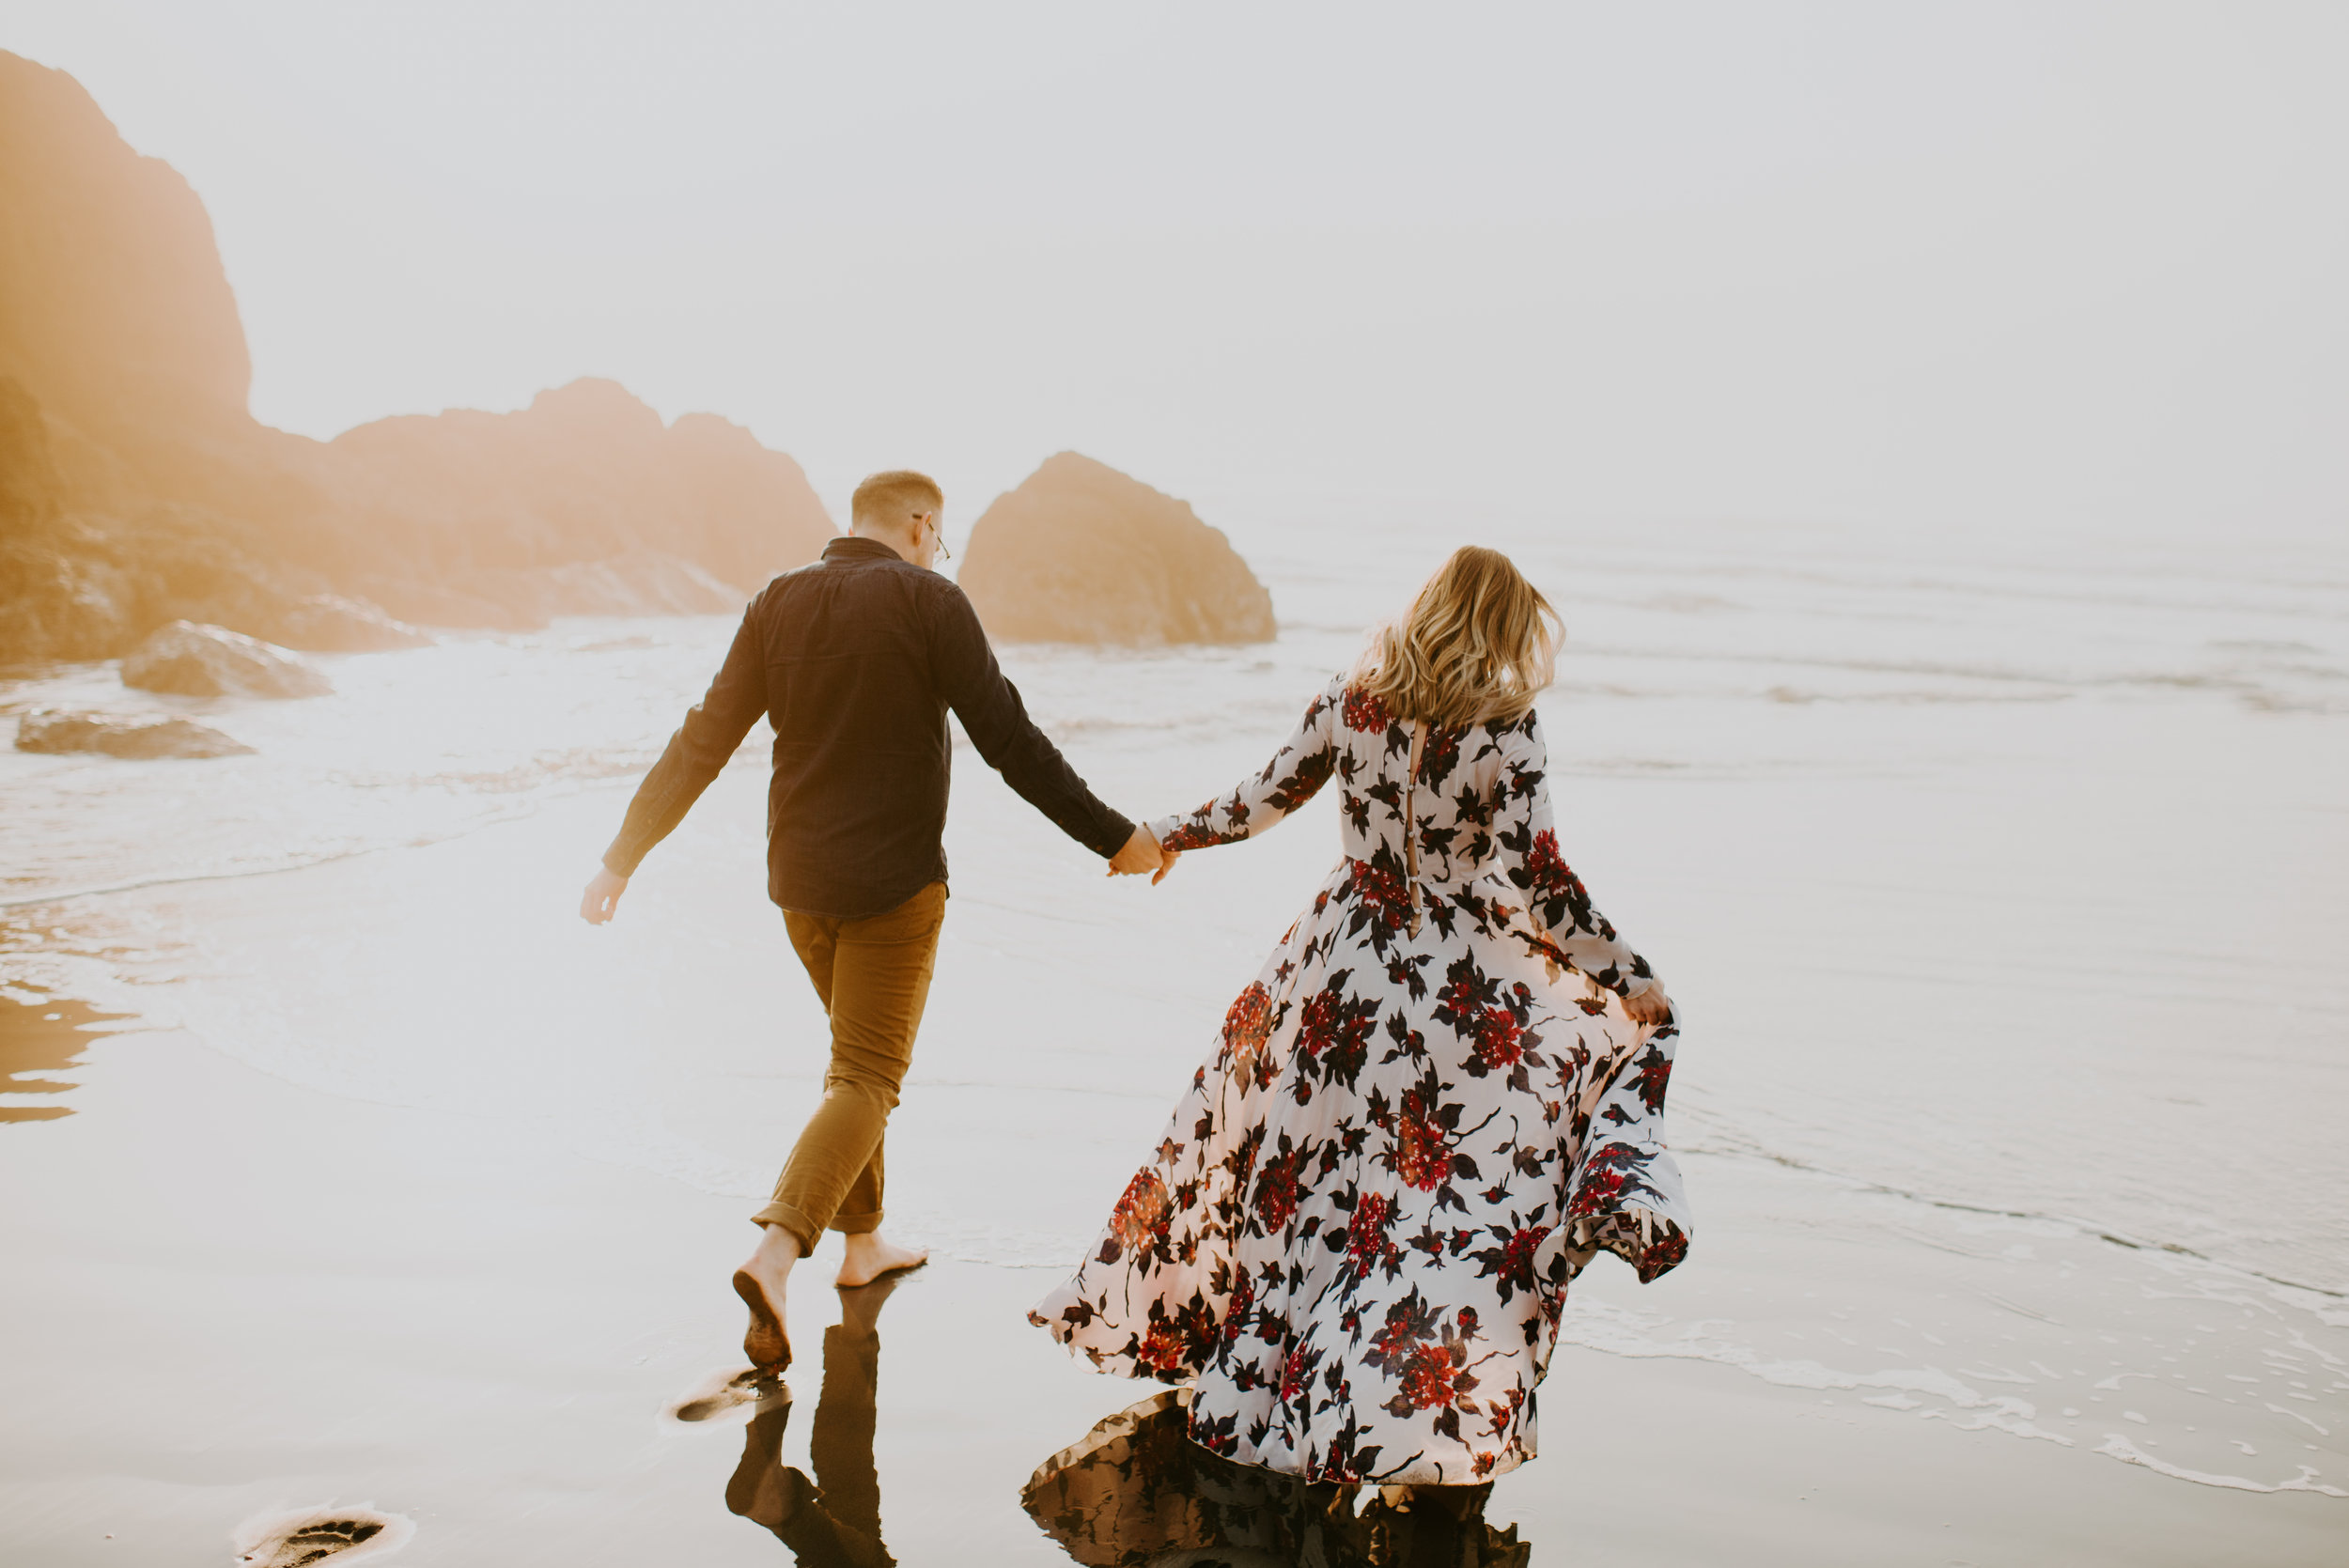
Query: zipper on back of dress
[(1410, 823)]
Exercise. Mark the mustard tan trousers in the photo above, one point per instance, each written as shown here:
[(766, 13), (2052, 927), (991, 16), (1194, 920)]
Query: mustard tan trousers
[(873, 976)]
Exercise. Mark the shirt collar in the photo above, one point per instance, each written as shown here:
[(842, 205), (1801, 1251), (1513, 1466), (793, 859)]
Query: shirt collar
[(850, 547)]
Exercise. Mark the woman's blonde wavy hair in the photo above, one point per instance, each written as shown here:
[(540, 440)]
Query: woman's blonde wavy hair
[(1478, 643)]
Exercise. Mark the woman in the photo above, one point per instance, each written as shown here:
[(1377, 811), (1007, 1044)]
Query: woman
[(1441, 1096)]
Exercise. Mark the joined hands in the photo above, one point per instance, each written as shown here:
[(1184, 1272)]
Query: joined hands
[(1143, 852)]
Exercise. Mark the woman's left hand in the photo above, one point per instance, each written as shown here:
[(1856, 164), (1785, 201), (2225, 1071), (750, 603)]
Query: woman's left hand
[(1166, 864), (1651, 1006)]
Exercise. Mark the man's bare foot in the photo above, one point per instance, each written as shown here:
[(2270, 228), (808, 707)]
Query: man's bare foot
[(760, 1282), (871, 1255), (860, 1306), (762, 1490)]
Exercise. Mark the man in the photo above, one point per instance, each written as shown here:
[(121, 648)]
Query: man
[(855, 660)]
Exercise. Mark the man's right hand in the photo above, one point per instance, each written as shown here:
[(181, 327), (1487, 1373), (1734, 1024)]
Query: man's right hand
[(602, 895), (1140, 854)]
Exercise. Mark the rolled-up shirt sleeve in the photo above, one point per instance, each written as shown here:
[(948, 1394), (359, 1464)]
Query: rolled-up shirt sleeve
[(697, 753), (984, 698)]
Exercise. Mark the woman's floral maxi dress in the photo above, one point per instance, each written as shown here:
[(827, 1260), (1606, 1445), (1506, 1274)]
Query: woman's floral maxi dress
[(1419, 1122)]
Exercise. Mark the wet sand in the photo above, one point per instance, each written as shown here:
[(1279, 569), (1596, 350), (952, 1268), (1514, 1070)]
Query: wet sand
[(230, 1297), (414, 1191), (41, 1042)]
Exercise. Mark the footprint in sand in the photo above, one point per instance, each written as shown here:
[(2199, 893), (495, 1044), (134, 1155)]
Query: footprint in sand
[(722, 1393), (307, 1535)]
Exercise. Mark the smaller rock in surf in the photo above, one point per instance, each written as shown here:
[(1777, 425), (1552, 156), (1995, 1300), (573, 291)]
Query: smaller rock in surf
[(116, 737), (212, 661)]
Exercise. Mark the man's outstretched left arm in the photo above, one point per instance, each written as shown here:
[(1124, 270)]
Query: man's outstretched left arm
[(997, 721), (696, 754)]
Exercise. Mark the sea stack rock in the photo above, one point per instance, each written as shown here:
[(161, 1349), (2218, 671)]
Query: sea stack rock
[(1082, 553), (211, 661), (117, 736)]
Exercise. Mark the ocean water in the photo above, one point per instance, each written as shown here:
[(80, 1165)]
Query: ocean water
[(2000, 888)]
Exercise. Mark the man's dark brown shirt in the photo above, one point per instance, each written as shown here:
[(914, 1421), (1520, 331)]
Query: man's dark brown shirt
[(855, 660)]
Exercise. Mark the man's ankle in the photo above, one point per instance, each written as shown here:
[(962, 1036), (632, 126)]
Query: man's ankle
[(778, 1248)]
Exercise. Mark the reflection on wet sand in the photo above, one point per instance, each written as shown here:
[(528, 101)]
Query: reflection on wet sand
[(833, 1520), (41, 1035), (1137, 1493)]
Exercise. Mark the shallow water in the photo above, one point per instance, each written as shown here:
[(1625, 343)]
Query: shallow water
[(1999, 889)]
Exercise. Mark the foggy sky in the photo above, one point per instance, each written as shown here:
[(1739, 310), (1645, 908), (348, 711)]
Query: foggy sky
[(1969, 266)]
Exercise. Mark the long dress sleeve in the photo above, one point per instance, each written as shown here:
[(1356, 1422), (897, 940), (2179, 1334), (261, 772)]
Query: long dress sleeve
[(1294, 776), (1560, 906)]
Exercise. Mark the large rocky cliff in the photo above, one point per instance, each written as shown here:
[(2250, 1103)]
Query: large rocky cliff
[(136, 489)]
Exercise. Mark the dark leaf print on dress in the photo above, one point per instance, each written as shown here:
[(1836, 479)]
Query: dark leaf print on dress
[(1360, 1226)]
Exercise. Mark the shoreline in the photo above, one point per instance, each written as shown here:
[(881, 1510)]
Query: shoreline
[(89, 1019)]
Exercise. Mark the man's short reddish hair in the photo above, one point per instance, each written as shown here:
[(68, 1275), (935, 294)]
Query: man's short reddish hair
[(893, 498)]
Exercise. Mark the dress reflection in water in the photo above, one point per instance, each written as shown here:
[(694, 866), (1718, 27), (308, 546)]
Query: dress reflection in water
[(1137, 1492), (1421, 1119)]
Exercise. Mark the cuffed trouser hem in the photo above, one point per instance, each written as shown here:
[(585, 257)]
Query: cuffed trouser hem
[(796, 1224), (793, 1224)]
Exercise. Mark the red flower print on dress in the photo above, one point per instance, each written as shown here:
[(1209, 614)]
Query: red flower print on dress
[(1333, 1033), (1246, 1027), (1655, 1072), (1409, 1323), (1545, 866), (1277, 1188), (1384, 893), (1668, 1249), (1497, 1038), (1319, 1020), (1293, 1371), (1236, 1310), (1367, 713), (1161, 1347), (1439, 755), (1610, 1179), (1491, 1018), (1141, 1216), (1250, 1020), (1293, 791), (1431, 1378), (1599, 1191), (1509, 1264), (1504, 1413), (1422, 1145), (1191, 835), (1366, 1241)]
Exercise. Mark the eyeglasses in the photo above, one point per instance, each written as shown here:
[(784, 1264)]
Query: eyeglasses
[(938, 530)]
